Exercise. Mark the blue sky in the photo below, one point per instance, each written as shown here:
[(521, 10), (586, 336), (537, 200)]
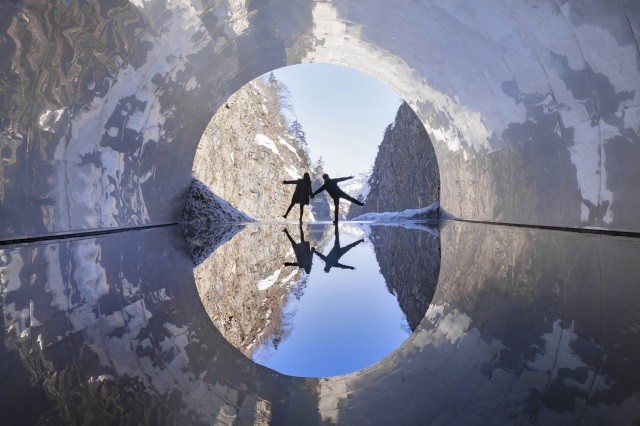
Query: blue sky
[(343, 112), (345, 321)]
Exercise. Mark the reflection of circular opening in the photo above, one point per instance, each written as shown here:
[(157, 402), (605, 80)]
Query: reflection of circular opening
[(320, 324), (259, 295)]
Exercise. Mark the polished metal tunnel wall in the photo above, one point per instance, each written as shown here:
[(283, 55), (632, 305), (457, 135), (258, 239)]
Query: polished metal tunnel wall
[(533, 107)]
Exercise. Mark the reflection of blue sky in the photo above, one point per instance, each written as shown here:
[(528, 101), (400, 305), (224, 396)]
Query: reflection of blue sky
[(346, 320), (343, 112)]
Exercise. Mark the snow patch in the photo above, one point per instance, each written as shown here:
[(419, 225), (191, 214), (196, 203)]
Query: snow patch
[(289, 277), (407, 224), (358, 186), (292, 171), (364, 191), (267, 143), (288, 146), (408, 219), (353, 230), (268, 282), (191, 84), (409, 214), (50, 118)]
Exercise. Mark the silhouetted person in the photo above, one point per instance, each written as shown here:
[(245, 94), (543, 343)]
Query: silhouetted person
[(301, 194), (331, 260), (303, 251), (331, 186)]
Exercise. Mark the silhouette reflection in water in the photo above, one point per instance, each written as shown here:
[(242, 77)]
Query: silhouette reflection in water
[(332, 259), (303, 251)]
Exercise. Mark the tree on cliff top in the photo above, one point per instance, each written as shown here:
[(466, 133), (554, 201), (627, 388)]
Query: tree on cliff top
[(301, 137), (280, 94)]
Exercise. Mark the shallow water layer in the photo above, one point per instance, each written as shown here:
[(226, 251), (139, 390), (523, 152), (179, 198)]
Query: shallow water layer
[(323, 300), (525, 325)]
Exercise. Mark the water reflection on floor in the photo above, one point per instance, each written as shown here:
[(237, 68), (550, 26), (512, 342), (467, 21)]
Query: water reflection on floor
[(526, 326), (319, 300)]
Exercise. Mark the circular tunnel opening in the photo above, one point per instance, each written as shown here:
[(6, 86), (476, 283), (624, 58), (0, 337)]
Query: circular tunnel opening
[(286, 293), (533, 109)]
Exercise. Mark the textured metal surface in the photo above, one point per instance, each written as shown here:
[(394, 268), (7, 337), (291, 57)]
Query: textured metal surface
[(525, 325), (534, 111), (533, 106)]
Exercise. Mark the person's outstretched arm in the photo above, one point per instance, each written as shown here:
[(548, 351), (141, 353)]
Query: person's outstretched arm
[(290, 182), (291, 264), (342, 178), (319, 190)]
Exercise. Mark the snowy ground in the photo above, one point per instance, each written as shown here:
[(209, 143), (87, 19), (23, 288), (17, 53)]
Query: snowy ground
[(426, 213), (411, 219)]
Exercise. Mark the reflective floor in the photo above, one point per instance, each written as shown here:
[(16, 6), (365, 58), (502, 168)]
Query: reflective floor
[(525, 325), (320, 300)]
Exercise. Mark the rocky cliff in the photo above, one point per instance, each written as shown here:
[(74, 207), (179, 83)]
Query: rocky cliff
[(251, 149), (243, 286), (405, 173)]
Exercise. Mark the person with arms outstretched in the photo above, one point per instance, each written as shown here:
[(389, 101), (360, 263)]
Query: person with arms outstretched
[(332, 259), (303, 251), (301, 194), (331, 186)]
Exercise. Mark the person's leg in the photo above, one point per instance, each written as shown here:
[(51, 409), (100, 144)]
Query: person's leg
[(288, 210), (336, 203), (301, 211), (293, 243), (351, 199)]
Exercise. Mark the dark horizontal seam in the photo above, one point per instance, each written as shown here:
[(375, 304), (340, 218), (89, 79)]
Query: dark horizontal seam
[(555, 228), (67, 235)]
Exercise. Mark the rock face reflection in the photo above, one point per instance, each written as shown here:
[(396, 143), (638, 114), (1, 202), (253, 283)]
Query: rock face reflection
[(525, 326), (253, 287), (244, 284), (410, 263)]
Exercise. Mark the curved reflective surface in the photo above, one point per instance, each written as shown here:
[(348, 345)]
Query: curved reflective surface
[(533, 110), (525, 325), (533, 107)]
